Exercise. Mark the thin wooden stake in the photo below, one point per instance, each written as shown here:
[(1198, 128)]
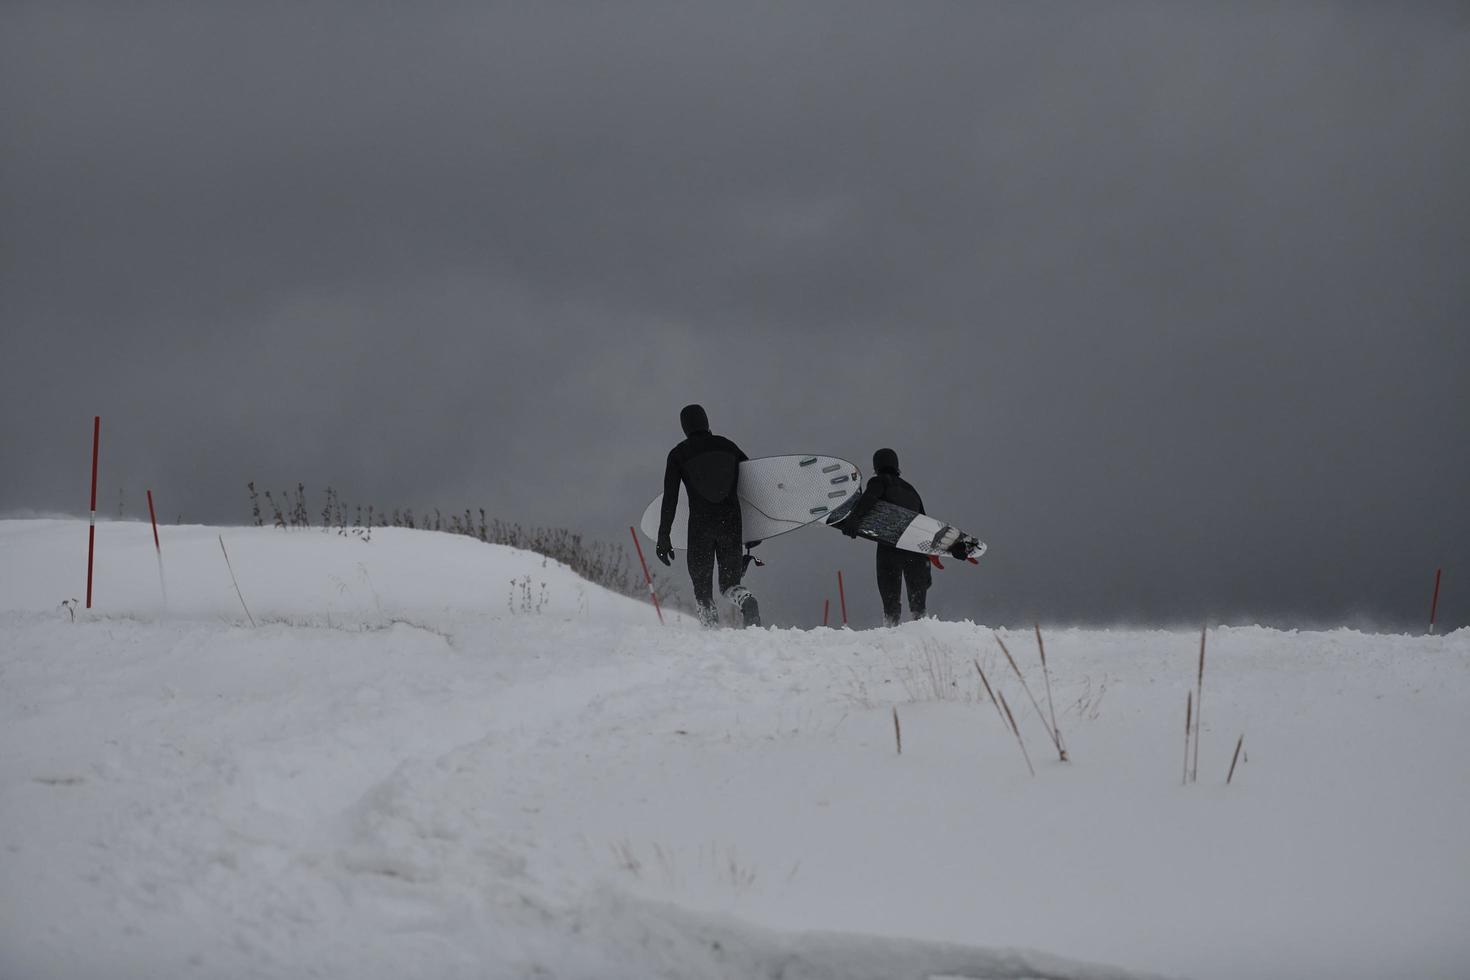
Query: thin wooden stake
[(1046, 676), (1238, 744), (1034, 703), (1188, 719), (1199, 704), (153, 518), (158, 550), (897, 732), (92, 522), (1434, 603), (236, 581), (1017, 732)]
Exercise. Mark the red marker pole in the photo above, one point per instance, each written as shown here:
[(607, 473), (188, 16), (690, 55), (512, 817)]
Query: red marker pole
[(154, 518), (841, 595), (646, 577), (826, 603), (92, 527), (1434, 603), (157, 549)]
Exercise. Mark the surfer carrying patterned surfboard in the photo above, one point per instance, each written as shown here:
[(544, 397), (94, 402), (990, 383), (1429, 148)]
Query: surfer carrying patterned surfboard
[(708, 467), (898, 570)]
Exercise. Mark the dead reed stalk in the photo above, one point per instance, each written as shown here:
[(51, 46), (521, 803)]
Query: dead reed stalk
[(1199, 703), (989, 691), (1020, 741), (1046, 676), (1034, 703), (1188, 719), (1238, 743), (236, 581), (897, 732)]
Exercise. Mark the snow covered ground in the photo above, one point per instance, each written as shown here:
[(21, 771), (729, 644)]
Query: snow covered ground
[(432, 757)]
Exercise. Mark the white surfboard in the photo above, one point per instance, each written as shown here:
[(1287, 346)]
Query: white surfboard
[(777, 494)]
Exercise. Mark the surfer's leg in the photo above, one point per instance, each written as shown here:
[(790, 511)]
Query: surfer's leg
[(743, 599), (917, 577), (700, 559), (728, 548), (890, 583)]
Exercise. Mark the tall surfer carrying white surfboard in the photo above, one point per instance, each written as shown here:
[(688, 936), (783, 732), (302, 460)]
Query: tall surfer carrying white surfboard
[(708, 467)]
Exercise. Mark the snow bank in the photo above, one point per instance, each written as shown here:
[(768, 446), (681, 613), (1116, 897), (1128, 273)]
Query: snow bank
[(305, 577), (416, 766)]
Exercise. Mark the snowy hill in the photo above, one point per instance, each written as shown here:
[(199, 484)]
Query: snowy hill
[(311, 577), (432, 757)]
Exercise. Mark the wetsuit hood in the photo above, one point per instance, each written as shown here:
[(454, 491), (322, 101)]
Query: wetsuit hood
[(693, 419), (885, 461)]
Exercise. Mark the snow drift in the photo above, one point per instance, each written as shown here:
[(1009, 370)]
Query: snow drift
[(432, 757)]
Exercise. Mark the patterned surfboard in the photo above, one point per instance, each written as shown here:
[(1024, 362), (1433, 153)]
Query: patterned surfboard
[(909, 530)]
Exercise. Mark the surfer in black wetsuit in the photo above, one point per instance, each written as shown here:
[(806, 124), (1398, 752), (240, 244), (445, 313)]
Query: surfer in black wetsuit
[(896, 568), (708, 466)]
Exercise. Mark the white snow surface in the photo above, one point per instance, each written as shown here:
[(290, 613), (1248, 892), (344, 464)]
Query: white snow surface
[(437, 758)]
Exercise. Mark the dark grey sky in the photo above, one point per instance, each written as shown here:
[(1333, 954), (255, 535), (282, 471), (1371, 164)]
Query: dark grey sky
[(1168, 302)]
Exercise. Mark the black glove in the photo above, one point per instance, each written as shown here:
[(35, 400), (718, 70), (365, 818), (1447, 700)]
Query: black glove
[(664, 549), (959, 550)]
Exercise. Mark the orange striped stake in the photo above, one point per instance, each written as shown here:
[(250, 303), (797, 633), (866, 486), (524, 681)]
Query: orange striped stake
[(646, 577)]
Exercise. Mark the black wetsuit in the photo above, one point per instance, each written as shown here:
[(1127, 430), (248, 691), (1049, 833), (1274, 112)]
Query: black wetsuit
[(708, 466), (896, 568)]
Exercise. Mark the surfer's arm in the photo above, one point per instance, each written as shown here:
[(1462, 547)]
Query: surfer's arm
[(671, 497), (733, 450), (872, 493)]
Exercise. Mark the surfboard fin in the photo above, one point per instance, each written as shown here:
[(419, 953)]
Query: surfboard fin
[(748, 559)]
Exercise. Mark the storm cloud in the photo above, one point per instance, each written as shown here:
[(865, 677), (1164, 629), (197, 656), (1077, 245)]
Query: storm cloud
[(1168, 303)]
